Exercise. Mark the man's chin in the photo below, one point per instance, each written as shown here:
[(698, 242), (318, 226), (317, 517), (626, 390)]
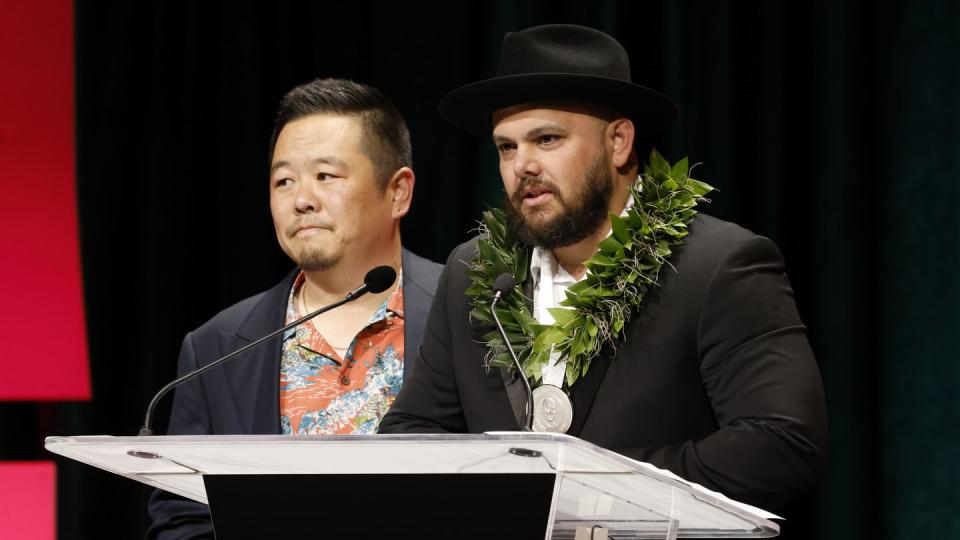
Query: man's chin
[(541, 215), (539, 234), (317, 261)]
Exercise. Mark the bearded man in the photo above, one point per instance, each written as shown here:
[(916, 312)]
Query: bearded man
[(646, 327), (340, 181)]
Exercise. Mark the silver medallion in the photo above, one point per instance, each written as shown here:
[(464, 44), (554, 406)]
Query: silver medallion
[(552, 410)]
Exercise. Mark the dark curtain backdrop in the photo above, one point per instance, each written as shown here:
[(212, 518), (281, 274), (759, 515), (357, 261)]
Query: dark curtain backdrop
[(831, 127)]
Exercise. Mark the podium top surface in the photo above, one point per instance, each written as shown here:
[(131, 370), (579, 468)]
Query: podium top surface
[(592, 483)]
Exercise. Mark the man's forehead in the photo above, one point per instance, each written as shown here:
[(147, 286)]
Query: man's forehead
[(332, 160), (323, 126), (314, 133), (561, 113), (326, 138)]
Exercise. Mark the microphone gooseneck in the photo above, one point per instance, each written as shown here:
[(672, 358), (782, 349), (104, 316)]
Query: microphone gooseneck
[(376, 281), (502, 286)]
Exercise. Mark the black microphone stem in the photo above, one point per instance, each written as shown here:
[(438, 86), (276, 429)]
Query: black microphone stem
[(146, 431), (528, 420)]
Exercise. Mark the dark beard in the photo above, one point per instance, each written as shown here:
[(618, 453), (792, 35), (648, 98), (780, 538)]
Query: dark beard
[(577, 219)]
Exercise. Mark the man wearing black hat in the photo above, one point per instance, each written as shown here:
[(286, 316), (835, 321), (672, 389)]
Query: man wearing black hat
[(644, 326)]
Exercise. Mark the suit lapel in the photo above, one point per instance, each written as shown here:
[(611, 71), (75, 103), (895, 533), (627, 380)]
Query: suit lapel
[(512, 383), (416, 307), (585, 390), (255, 380)]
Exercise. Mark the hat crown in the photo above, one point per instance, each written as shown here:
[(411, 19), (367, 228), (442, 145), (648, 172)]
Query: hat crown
[(561, 62), (563, 48)]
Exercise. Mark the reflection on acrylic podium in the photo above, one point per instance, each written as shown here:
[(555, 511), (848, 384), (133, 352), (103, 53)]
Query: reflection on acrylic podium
[(495, 485)]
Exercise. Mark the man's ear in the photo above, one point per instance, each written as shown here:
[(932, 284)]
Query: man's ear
[(620, 133), (400, 191)]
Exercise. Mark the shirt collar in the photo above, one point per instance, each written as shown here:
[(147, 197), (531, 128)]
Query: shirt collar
[(393, 304)]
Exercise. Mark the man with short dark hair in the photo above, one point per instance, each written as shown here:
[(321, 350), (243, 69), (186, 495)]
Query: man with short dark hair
[(644, 326), (340, 181)]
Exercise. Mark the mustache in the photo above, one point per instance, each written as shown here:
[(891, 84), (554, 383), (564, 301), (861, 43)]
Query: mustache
[(529, 182), (301, 224)]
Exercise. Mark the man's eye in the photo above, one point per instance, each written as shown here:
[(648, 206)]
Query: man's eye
[(548, 139), (505, 147), (283, 182), (324, 176)]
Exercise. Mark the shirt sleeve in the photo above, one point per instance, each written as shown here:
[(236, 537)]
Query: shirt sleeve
[(429, 401), (763, 384)]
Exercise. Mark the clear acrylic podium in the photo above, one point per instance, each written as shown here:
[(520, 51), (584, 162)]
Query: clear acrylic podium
[(495, 485)]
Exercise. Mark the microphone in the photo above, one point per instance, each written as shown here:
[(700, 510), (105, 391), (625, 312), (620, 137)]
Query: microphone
[(376, 281), (501, 286)]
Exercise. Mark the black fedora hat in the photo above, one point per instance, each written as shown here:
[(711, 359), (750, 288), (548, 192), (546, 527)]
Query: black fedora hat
[(558, 62)]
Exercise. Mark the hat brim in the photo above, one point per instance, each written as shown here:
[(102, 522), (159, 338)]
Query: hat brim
[(471, 106)]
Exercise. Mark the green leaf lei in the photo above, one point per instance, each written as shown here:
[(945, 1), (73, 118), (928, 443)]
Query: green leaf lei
[(619, 275)]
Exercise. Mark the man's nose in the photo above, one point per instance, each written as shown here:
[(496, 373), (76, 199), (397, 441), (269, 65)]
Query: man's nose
[(306, 197), (525, 162)]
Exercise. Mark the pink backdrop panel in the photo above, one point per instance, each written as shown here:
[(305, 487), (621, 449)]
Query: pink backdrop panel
[(27, 500), (39, 239)]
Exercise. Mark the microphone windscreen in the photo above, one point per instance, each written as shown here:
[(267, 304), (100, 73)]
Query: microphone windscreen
[(379, 279), (504, 283)]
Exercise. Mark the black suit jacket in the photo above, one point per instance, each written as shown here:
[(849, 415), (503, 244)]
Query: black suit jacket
[(243, 396), (714, 379)]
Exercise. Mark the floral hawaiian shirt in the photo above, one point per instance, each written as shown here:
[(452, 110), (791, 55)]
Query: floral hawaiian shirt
[(324, 393)]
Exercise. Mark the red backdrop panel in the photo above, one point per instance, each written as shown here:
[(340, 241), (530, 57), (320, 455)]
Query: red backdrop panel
[(39, 242), (27, 500)]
